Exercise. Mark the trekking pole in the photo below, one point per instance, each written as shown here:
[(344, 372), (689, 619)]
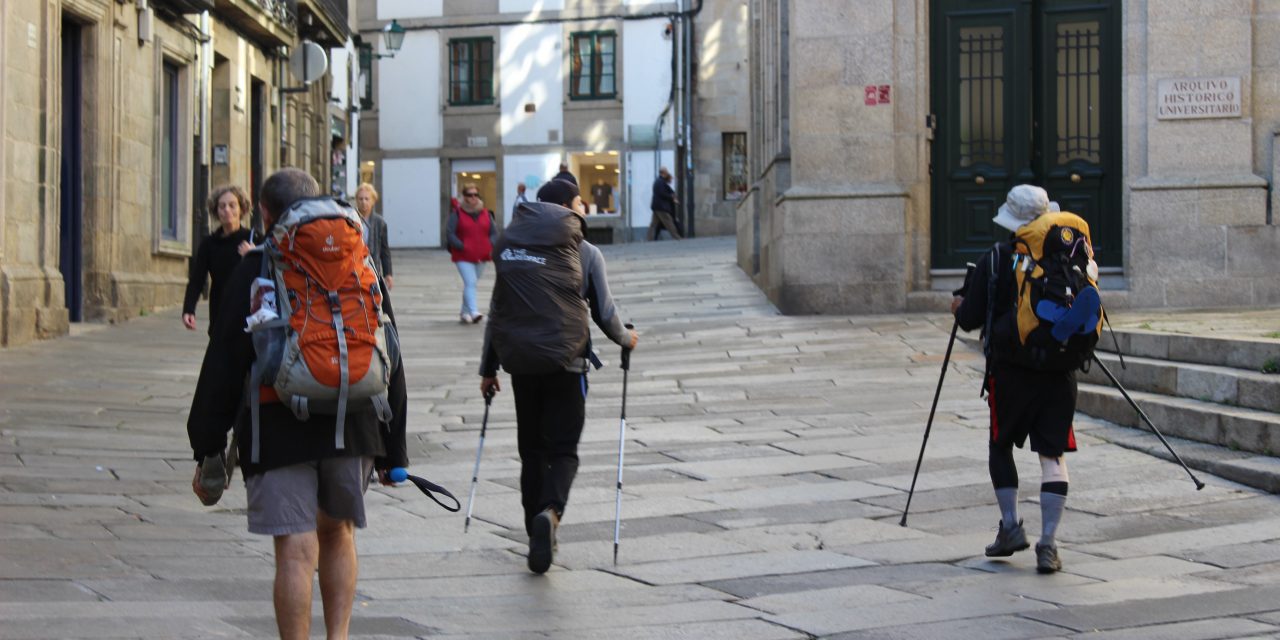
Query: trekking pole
[(1120, 388), (955, 324), (475, 473), (622, 438)]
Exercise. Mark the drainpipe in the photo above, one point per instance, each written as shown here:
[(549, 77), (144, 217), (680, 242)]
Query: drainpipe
[(203, 107)]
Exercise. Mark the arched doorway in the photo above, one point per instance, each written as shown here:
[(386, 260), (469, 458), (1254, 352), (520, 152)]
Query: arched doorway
[(1024, 91)]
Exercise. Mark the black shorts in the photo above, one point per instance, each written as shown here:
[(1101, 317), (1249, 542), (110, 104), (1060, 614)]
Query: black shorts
[(1037, 404)]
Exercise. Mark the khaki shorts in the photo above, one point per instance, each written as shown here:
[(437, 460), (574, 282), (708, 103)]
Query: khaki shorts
[(287, 500)]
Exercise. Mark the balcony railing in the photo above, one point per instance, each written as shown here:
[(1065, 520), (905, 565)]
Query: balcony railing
[(335, 12), (284, 12)]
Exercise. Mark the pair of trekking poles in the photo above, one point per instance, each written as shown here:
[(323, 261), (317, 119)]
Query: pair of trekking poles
[(938, 392), (622, 438)]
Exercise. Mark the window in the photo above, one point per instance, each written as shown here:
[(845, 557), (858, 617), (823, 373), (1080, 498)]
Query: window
[(170, 153), (734, 146), (592, 74), (471, 71)]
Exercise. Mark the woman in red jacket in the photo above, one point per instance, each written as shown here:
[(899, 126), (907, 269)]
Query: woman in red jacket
[(472, 230)]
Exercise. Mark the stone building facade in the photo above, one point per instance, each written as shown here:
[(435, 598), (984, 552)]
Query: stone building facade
[(116, 119), (500, 92), (885, 134)]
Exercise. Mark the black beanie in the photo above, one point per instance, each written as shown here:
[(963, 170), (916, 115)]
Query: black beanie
[(561, 192)]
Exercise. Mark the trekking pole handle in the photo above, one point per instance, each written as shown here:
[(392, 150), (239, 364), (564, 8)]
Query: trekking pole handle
[(398, 474), (626, 351), (488, 396), (969, 268)]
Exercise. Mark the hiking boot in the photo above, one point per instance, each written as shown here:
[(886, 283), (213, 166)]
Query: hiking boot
[(1008, 541), (1047, 560), (213, 478), (542, 544)]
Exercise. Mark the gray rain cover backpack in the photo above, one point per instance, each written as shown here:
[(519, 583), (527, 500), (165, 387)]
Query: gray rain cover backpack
[(538, 318)]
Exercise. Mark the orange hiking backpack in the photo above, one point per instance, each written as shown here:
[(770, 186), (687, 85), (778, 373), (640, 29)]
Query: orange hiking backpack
[(332, 348), (1057, 316)]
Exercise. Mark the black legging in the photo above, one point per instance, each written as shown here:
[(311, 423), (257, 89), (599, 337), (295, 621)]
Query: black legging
[(550, 410)]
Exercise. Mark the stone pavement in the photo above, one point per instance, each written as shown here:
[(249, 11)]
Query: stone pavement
[(768, 459)]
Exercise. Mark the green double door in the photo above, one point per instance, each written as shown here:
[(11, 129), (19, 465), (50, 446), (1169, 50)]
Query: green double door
[(1024, 92)]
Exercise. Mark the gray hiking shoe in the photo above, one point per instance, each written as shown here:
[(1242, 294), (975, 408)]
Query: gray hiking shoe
[(1008, 541), (213, 478), (542, 543), (1047, 560)]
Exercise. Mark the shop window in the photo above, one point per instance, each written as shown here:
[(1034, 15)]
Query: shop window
[(592, 71), (597, 173), (734, 147), (471, 71)]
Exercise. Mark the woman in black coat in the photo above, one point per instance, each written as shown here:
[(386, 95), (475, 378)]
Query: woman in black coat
[(219, 253)]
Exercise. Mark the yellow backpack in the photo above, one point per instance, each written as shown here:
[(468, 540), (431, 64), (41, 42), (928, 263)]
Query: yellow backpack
[(1058, 310)]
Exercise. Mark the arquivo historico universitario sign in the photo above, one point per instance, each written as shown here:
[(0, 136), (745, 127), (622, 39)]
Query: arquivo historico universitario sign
[(1192, 98)]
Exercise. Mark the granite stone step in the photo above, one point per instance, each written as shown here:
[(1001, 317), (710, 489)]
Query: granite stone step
[(1233, 427), (1208, 383), (1251, 354)]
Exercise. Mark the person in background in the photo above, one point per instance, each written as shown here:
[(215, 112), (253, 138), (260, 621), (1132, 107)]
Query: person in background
[(220, 252), (663, 205), (376, 238), (520, 197), (471, 231)]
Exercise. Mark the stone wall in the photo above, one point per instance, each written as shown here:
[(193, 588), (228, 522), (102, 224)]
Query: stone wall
[(721, 52)]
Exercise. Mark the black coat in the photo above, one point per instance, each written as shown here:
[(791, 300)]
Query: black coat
[(216, 258), (664, 197)]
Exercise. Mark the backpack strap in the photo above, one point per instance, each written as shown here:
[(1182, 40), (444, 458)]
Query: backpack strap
[(339, 432), (993, 276)]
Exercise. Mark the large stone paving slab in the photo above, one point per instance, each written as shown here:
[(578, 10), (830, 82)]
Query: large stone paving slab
[(768, 459)]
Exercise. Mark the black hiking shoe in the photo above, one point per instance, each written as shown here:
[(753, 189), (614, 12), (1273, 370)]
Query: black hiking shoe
[(1008, 541), (542, 543), (1047, 560), (213, 478)]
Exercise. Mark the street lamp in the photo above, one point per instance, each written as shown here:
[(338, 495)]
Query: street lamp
[(392, 38)]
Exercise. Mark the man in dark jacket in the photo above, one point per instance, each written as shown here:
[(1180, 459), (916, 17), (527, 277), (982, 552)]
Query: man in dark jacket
[(1024, 402), (551, 407), (304, 491), (663, 205)]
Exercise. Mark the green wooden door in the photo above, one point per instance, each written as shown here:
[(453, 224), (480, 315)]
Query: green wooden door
[(1025, 92)]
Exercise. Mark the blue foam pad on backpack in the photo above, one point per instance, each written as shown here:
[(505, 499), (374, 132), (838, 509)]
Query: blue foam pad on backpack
[(1081, 317)]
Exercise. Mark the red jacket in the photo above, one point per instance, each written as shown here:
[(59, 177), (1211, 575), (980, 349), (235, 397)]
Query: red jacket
[(474, 233)]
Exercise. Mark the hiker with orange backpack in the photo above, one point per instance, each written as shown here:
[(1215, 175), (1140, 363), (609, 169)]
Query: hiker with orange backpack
[(312, 422), (1035, 296)]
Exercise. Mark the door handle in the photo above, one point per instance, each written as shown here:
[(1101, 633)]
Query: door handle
[(979, 181), (1075, 178)]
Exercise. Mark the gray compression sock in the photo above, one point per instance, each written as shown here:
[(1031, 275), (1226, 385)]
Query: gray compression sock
[(1051, 508), (1008, 500)]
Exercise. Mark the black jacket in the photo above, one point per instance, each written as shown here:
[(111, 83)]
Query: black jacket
[(220, 401), (217, 257), (664, 197)]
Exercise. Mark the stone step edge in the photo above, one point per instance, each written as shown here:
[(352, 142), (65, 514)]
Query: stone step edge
[(1250, 469), (1248, 389), (1249, 354), (1236, 428)]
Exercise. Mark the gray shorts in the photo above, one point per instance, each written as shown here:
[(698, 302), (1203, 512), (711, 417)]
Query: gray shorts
[(286, 500)]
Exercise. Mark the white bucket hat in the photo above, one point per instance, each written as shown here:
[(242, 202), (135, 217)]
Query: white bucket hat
[(1024, 204)]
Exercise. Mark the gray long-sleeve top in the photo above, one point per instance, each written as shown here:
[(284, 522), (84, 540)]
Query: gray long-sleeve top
[(376, 240), (595, 290)]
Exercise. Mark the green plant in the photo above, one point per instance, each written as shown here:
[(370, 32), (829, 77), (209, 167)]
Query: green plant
[(1273, 334), (1145, 325), (1271, 366)]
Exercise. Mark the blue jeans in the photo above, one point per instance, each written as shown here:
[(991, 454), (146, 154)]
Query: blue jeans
[(470, 272)]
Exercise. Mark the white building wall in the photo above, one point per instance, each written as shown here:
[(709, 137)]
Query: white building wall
[(409, 94), (392, 9), (529, 64), (411, 201), (532, 170), (646, 74), (529, 6)]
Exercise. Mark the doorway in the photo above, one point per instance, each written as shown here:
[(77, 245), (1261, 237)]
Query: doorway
[(71, 172), (483, 173), (1024, 92), (257, 143)]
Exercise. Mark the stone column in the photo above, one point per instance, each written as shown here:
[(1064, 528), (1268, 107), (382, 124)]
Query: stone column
[(841, 224), (1195, 178)]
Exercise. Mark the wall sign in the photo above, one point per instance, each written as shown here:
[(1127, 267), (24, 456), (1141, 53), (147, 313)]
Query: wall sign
[(1194, 98)]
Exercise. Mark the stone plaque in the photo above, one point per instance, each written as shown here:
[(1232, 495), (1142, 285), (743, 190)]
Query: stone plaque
[(1188, 98)]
